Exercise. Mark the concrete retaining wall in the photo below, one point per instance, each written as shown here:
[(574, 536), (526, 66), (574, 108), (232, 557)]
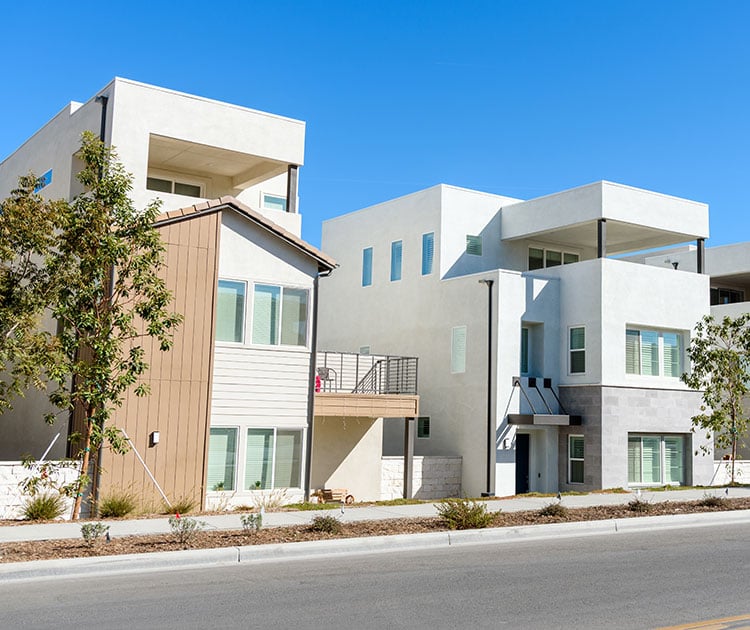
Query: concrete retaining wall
[(12, 474), (433, 477)]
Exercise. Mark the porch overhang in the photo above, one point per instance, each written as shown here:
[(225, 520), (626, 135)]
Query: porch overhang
[(544, 419), (347, 405)]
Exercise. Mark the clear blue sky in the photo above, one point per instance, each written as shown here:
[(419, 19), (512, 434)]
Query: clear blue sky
[(517, 98)]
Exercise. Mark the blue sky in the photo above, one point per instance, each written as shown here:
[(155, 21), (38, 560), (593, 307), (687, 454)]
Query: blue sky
[(517, 98)]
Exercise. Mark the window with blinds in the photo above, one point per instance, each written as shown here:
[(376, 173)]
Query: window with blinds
[(656, 459), (396, 252), (577, 350), (575, 458), (367, 267), (273, 459), (230, 311), (279, 315), (428, 252), (653, 353), (222, 446), (473, 245)]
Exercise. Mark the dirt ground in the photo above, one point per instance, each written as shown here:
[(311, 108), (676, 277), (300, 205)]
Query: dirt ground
[(73, 548)]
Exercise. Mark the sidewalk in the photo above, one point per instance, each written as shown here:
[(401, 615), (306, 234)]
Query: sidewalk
[(135, 527)]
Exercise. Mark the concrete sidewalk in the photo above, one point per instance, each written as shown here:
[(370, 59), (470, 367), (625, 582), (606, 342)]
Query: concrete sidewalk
[(135, 527)]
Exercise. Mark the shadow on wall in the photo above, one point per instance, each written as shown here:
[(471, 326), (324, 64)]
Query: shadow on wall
[(468, 263)]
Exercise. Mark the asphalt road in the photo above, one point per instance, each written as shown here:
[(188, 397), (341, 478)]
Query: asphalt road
[(667, 577)]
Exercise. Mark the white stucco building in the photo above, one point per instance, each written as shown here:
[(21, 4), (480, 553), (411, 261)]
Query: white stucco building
[(578, 387)]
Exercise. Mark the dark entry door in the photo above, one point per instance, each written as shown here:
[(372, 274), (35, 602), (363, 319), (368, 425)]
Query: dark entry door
[(522, 463)]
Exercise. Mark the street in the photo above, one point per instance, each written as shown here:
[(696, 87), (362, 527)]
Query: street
[(663, 578)]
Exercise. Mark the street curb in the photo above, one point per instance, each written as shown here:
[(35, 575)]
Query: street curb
[(256, 554)]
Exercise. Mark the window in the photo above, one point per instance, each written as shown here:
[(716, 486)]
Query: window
[(396, 249), (575, 459), (653, 353), (458, 349), (230, 311), (222, 446), (367, 267), (473, 245), (577, 350), (273, 459), (428, 252), (43, 181), (524, 350), (726, 296), (656, 459), (279, 316), (423, 427), (364, 350), (169, 186), (540, 258), (274, 202)]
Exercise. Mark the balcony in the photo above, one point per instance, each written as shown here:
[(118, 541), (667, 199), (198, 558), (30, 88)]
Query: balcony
[(363, 385)]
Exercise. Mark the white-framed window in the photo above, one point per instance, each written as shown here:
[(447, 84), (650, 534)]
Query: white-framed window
[(396, 256), (651, 352), (577, 350), (423, 427), (273, 202), (367, 266), (541, 257), (473, 245), (458, 349), (230, 311), (575, 459), (428, 252), (524, 350), (222, 459), (364, 350), (279, 315), (656, 459), (174, 186)]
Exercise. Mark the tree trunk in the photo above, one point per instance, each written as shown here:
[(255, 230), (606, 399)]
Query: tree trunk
[(734, 443), (84, 464)]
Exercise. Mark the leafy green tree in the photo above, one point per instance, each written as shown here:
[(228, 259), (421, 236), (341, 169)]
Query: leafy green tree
[(720, 356)]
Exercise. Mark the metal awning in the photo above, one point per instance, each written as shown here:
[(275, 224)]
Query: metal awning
[(544, 419)]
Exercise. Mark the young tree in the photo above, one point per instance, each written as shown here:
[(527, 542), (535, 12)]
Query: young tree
[(720, 358)]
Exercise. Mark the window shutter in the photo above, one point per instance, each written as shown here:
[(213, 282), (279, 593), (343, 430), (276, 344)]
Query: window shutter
[(428, 249), (258, 458), (266, 314), (458, 349), (221, 457), (287, 459), (396, 249), (294, 317), (367, 267)]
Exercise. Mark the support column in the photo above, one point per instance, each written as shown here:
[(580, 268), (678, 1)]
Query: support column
[(701, 254), (291, 188), (601, 238), (409, 424)]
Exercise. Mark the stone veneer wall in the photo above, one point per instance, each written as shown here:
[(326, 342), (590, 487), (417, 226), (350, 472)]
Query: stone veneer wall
[(722, 473), (11, 497), (434, 477)]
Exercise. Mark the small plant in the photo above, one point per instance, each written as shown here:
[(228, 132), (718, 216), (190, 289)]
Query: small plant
[(218, 487), (91, 533), (327, 525), (712, 501), (181, 505), (251, 523), (641, 506), (43, 507), (464, 514), (558, 510), (185, 528), (117, 505)]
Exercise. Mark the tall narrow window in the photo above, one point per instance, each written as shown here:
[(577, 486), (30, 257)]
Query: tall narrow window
[(458, 349), (524, 350), (577, 350), (230, 311), (294, 317), (266, 314), (423, 427), (396, 249), (575, 459), (428, 252), (367, 267), (473, 245), (536, 258), (259, 459), (222, 446)]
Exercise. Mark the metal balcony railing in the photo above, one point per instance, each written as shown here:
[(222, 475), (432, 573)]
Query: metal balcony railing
[(352, 373)]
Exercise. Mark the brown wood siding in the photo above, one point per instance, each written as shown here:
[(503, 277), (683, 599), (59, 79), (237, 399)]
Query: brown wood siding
[(366, 405), (180, 380)]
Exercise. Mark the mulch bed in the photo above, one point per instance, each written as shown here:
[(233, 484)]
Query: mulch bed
[(73, 548)]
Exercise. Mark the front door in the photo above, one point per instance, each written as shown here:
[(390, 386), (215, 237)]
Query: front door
[(522, 463)]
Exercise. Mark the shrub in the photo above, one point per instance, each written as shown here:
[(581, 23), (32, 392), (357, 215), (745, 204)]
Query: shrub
[(43, 507), (711, 500), (327, 525), (91, 532), (116, 505), (181, 505), (185, 528), (639, 505), (251, 522), (554, 509), (464, 514)]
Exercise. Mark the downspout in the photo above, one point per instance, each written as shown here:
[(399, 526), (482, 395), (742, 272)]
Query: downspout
[(490, 420), (311, 382)]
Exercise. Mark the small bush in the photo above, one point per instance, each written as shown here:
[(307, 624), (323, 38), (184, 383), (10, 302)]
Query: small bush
[(554, 509), (116, 505), (91, 532), (181, 505), (251, 523), (464, 514), (327, 525), (711, 500), (43, 507), (639, 505), (185, 528)]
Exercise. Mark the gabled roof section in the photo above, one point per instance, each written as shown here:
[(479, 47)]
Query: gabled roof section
[(325, 262)]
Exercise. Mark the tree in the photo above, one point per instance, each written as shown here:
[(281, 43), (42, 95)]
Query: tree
[(720, 358)]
